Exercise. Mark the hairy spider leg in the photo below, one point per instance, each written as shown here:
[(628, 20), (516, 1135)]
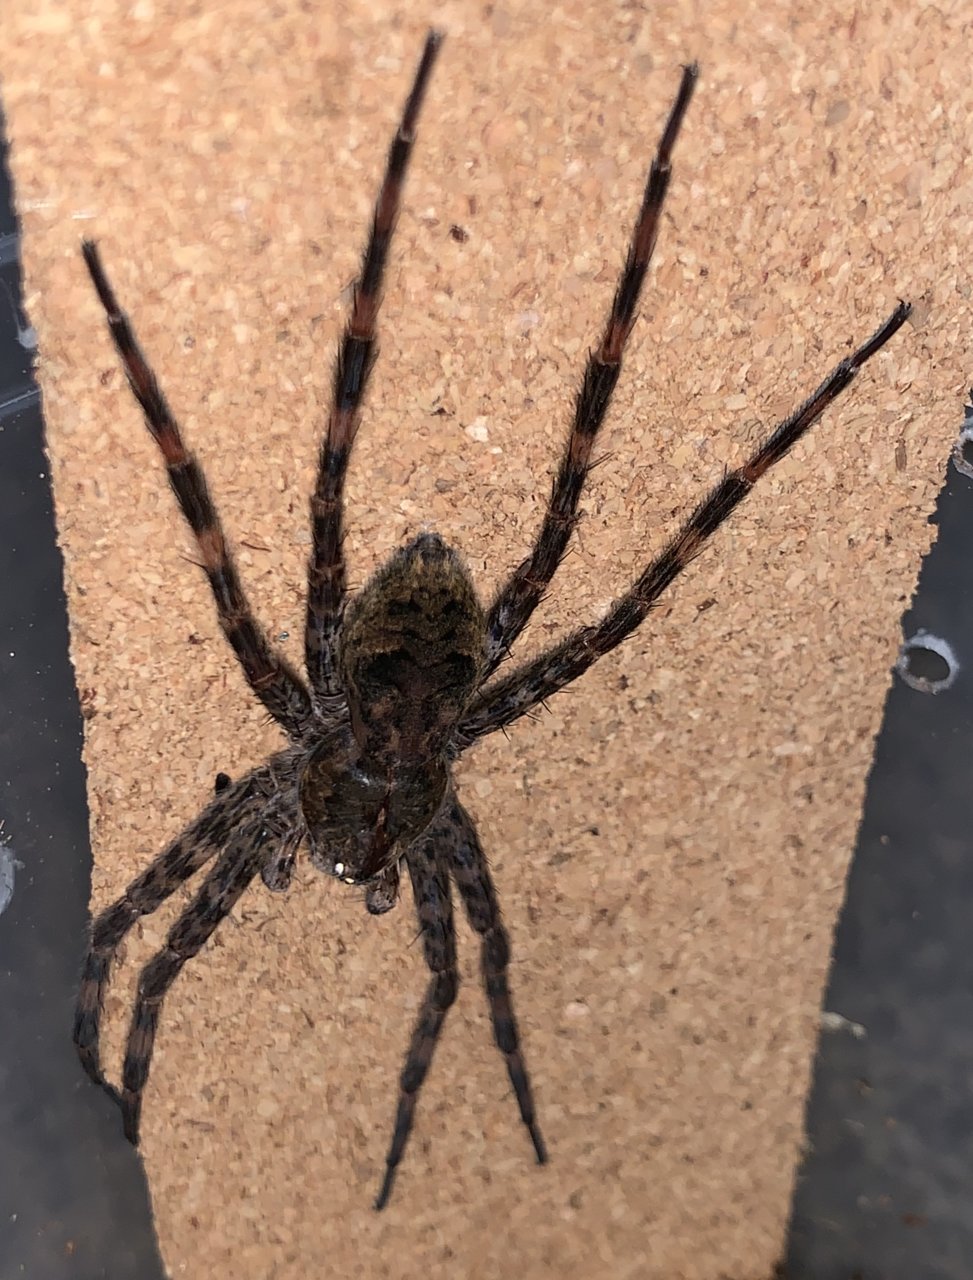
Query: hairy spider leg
[(509, 698), (270, 676), (278, 872), (451, 843), (245, 854), (327, 579), (186, 855), (470, 870), (523, 591), (434, 907)]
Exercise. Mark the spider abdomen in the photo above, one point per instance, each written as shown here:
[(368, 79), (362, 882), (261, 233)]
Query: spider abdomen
[(413, 646)]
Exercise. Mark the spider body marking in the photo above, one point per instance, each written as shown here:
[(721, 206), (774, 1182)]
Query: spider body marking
[(398, 680), (413, 646)]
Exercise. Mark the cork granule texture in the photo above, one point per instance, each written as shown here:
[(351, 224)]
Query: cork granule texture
[(670, 838)]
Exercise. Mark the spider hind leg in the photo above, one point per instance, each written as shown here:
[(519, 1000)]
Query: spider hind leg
[(327, 576), (524, 590), (512, 696), (269, 675)]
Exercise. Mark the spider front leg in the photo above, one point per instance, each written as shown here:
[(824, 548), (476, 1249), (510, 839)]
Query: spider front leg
[(278, 872), (434, 907), (246, 854), (469, 868), (524, 590), (187, 854), (451, 841)]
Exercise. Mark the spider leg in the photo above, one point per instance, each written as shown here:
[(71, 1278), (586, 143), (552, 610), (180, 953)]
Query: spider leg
[(471, 872), (523, 591), (233, 871), (186, 855), (326, 569), (270, 676), (430, 889), (509, 698), (278, 871)]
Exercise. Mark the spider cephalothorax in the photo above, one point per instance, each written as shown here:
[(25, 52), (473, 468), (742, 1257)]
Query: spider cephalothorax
[(398, 679)]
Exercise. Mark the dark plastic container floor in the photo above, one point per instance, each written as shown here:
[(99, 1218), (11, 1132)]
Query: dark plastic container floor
[(73, 1199), (886, 1192)]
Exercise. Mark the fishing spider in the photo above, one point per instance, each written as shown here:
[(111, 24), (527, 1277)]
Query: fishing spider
[(398, 678)]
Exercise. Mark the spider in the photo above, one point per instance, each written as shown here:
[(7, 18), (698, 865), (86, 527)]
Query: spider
[(398, 677)]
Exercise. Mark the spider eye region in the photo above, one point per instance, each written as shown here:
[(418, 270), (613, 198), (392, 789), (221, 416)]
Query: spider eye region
[(360, 818)]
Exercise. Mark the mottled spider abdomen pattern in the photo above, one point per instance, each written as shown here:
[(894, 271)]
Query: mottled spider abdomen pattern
[(412, 649), (398, 680)]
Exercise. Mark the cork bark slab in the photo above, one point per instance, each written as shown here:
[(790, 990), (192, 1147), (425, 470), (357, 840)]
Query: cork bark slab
[(671, 840)]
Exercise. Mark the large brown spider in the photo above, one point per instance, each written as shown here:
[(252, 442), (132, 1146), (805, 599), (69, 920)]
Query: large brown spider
[(398, 678)]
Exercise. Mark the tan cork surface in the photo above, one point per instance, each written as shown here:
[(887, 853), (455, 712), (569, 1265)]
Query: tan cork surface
[(671, 840)]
